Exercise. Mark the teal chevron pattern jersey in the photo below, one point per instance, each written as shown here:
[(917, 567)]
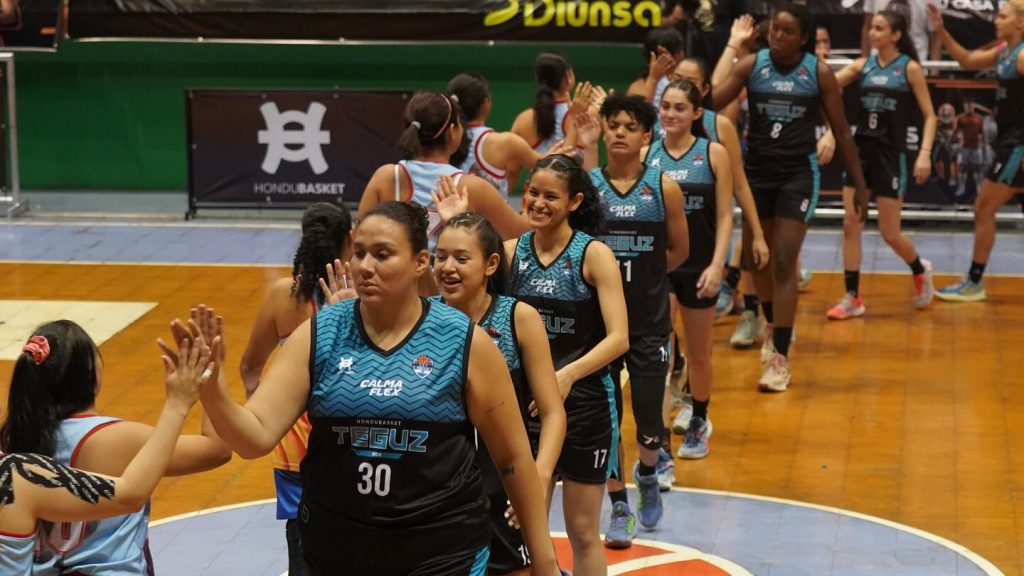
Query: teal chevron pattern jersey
[(1009, 99), (785, 107), (391, 453), (885, 102), (637, 236), (693, 172), (710, 122), (566, 303)]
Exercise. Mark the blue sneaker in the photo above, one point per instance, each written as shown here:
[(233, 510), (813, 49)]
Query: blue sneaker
[(695, 445), (804, 278), (622, 529), (963, 291), (649, 506), (726, 300), (666, 471)]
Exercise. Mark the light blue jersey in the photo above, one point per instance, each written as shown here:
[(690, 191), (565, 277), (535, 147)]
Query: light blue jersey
[(561, 115), (475, 163), (110, 547), (422, 178)]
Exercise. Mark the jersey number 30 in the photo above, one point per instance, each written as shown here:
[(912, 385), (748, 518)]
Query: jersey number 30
[(375, 479)]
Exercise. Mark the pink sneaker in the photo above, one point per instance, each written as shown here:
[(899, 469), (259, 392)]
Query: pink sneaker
[(924, 289), (776, 376), (849, 306)]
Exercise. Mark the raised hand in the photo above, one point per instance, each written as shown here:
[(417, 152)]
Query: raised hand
[(743, 31), (662, 63), (339, 285), (581, 98), (597, 98), (935, 15), (189, 370), (449, 199)]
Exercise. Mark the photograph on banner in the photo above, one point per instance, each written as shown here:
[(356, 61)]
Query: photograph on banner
[(29, 24), (288, 148)]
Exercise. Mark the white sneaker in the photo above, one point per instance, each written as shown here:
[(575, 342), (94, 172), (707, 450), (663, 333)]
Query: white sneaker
[(776, 375), (682, 420), (747, 331), (768, 345)]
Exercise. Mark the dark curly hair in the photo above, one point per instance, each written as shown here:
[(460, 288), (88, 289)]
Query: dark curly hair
[(637, 107), (325, 229), (589, 216)]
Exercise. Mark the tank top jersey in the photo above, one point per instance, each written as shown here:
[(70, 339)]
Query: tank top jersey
[(659, 92), (694, 174), (636, 234), (111, 547), (1009, 99), (709, 121), (422, 178), (784, 110), (561, 115), (886, 102), (290, 451), (567, 304), (391, 455), (475, 163), (16, 550), (500, 324)]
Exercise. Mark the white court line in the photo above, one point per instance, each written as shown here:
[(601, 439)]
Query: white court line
[(251, 224), (151, 263), (984, 565)]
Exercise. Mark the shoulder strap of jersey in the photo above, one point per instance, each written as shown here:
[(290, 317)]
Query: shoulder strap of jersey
[(398, 187)]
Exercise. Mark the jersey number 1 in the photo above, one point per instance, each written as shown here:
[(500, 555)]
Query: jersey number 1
[(376, 480), (628, 265)]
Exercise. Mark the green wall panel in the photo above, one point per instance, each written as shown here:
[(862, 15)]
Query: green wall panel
[(111, 115)]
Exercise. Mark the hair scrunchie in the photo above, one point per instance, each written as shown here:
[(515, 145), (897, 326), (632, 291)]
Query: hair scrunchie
[(38, 347)]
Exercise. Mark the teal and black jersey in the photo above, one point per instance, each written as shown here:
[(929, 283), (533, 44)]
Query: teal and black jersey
[(391, 453), (784, 107), (1010, 99), (694, 174), (637, 236), (886, 102), (710, 123), (566, 303)]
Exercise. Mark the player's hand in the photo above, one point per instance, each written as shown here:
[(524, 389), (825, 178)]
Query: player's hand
[(935, 15), (449, 199), (923, 168), (742, 31), (510, 516), (597, 98), (190, 369), (581, 98), (565, 381), (759, 250), (826, 148), (709, 282), (588, 130), (339, 285), (662, 63)]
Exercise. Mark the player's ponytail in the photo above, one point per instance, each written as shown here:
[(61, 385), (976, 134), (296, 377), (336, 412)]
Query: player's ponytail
[(471, 91), (54, 377), (490, 243), (325, 230), (427, 117), (550, 70)]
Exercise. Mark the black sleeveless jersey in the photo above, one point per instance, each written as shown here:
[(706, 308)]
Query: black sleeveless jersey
[(886, 102), (784, 110), (637, 236), (1010, 99)]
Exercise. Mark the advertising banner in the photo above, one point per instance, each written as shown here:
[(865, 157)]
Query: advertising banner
[(288, 148), (29, 24)]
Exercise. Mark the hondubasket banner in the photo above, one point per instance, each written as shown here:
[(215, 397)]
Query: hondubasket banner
[(288, 148), (29, 24), (597, 21)]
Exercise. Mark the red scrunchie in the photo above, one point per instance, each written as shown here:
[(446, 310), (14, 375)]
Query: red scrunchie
[(39, 348)]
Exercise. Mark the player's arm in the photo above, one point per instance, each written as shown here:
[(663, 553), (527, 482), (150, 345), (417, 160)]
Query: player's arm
[(736, 49), (969, 59), (677, 231), (493, 410), (730, 140), (832, 103), (923, 165), (540, 374), (729, 88), (601, 270), (380, 188), (711, 278), (486, 200), (263, 339), (850, 73), (254, 429)]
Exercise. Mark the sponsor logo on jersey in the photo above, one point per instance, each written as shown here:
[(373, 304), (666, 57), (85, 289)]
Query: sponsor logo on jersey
[(567, 268), (623, 210), (523, 265), (382, 438), (494, 334), (389, 388), (656, 162), (345, 365), (646, 193), (693, 203), (803, 72), (783, 85), (698, 159), (781, 111), (623, 244), (422, 366), (879, 80), (543, 285)]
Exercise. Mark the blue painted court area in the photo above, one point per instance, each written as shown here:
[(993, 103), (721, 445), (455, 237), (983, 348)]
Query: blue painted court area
[(737, 533), (274, 242)]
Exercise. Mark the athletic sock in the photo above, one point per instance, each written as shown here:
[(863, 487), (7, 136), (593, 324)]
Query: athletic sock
[(750, 303), (645, 470), (916, 268), (732, 276), (852, 280), (781, 337), (769, 316), (619, 496), (976, 272), (700, 408)]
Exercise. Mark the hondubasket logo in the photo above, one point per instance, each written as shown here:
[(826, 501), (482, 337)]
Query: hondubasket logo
[(303, 145), (579, 13)]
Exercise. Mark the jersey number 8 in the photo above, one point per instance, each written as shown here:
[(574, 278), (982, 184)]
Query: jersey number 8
[(776, 130), (376, 480)]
